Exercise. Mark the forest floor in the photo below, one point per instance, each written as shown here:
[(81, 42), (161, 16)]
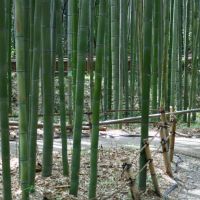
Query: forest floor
[(114, 147)]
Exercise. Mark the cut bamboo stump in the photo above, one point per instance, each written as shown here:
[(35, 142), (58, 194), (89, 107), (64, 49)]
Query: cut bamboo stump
[(173, 121), (152, 168), (164, 143), (131, 176)]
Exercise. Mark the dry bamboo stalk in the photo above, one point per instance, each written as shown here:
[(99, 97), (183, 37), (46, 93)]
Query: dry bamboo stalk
[(172, 136), (151, 168), (164, 135), (165, 124), (131, 176), (15, 124), (133, 119), (165, 152)]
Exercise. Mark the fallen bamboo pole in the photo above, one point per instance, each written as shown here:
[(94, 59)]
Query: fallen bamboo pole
[(68, 127), (132, 119), (138, 118)]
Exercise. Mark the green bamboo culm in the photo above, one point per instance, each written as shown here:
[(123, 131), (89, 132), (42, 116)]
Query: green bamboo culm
[(21, 86), (179, 73), (145, 77), (123, 58), (8, 7), (59, 24), (27, 45), (31, 21), (107, 51), (168, 103), (174, 58), (72, 44), (133, 39), (79, 96), (4, 121), (156, 47), (195, 43), (75, 20), (107, 66), (34, 93), (108, 42), (47, 79), (96, 99), (139, 13), (115, 53), (161, 53), (90, 63), (70, 52), (164, 71), (186, 50)]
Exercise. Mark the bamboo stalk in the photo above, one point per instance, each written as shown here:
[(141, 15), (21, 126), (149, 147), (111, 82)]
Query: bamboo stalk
[(165, 124), (61, 87), (79, 95), (165, 152), (22, 98), (164, 135), (115, 52), (172, 136), (151, 168), (47, 84), (34, 93), (132, 119), (96, 100), (4, 107), (131, 176)]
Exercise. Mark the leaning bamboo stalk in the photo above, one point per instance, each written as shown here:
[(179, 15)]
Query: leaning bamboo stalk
[(151, 168)]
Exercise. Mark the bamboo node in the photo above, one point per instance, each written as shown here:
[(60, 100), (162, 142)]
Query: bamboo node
[(146, 142), (126, 166), (162, 111), (131, 181), (163, 141), (172, 132), (150, 160)]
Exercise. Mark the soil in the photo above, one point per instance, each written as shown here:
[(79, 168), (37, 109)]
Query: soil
[(111, 183)]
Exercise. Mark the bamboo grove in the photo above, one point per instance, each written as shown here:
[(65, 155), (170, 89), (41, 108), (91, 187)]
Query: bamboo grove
[(137, 56)]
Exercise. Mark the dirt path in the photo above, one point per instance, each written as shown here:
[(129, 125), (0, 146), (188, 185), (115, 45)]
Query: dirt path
[(187, 146)]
